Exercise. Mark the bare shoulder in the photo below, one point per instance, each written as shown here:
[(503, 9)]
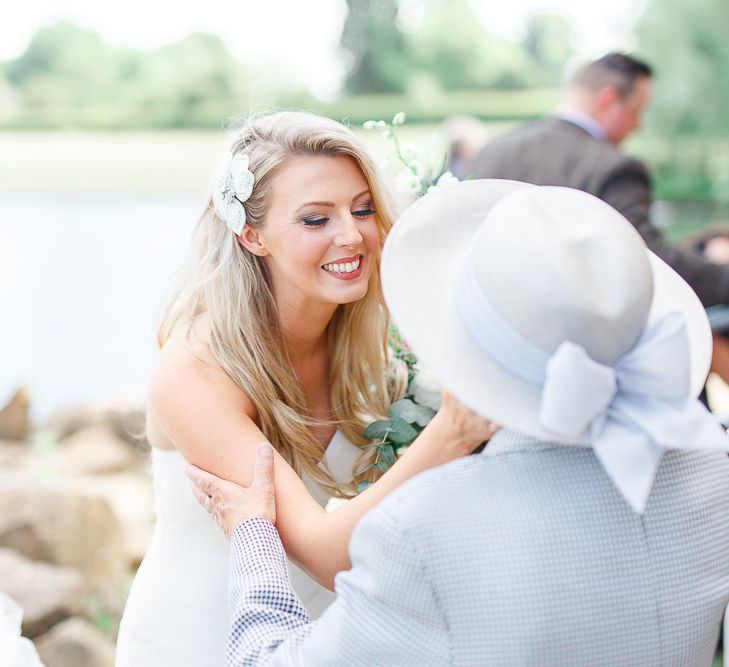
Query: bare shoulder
[(188, 383)]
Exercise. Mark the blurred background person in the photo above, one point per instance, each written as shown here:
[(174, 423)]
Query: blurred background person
[(464, 137), (580, 147)]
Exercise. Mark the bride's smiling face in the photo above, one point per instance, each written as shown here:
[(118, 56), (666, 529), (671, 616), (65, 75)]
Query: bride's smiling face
[(320, 237)]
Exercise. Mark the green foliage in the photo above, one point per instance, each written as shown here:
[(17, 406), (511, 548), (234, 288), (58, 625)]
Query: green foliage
[(410, 412), (547, 44), (417, 176), (69, 77), (686, 125), (64, 63), (179, 83), (450, 49), (489, 105), (405, 420), (453, 47), (401, 433), (376, 47), (688, 46), (377, 430), (447, 64), (401, 350)]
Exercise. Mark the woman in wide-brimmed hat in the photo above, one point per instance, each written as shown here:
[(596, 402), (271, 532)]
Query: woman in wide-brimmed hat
[(603, 515)]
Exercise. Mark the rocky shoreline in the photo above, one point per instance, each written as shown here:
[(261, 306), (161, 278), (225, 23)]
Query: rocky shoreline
[(76, 515)]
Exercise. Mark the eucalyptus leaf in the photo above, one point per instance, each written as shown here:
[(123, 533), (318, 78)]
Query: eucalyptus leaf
[(364, 470), (387, 454), (411, 412), (404, 408), (362, 486), (377, 430), (401, 432)]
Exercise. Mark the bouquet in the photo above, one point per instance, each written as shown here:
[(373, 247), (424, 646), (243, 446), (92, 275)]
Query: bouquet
[(412, 413)]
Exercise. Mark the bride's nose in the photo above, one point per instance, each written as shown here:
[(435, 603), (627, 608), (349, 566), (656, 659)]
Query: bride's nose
[(348, 234)]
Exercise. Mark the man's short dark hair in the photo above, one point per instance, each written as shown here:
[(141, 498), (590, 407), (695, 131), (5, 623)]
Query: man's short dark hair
[(616, 70)]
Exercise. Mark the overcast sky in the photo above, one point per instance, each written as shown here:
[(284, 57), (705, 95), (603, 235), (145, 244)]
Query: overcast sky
[(303, 34)]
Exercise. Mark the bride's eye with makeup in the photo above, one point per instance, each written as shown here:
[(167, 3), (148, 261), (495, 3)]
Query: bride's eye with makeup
[(314, 220), (364, 210)]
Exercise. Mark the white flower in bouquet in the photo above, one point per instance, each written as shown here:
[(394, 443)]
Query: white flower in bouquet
[(426, 390), (415, 178), (407, 181), (335, 503), (445, 180)]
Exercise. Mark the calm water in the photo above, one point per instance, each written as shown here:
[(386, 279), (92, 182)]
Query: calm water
[(81, 284)]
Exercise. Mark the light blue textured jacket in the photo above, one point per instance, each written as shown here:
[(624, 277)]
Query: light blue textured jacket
[(524, 555)]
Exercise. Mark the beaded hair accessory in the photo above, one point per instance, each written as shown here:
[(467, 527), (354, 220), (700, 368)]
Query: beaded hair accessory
[(232, 186)]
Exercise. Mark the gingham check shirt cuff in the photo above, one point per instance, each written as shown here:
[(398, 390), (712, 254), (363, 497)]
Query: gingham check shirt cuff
[(265, 610)]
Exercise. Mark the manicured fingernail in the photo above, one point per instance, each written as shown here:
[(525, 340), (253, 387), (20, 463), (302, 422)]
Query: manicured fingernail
[(264, 449)]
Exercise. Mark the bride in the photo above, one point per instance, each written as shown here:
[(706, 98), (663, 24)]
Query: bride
[(278, 332)]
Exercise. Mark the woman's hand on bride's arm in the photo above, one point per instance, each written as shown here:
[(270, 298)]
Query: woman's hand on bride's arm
[(231, 504), (212, 423)]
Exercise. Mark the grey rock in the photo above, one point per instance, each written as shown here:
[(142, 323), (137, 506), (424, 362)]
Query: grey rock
[(125, 416), (93, 450), (47, 593), (14, 424), (75, 643), (63, 527)]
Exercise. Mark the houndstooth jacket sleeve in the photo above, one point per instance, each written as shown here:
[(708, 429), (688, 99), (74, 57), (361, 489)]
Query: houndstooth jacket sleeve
[(385, 612)]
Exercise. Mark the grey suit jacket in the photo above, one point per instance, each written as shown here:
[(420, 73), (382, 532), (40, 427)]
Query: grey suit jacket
[(524, 555), (554, 151)]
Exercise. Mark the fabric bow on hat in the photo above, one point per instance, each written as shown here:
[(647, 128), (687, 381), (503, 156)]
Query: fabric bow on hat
[(644, 400), (231, 187), (627, 409)]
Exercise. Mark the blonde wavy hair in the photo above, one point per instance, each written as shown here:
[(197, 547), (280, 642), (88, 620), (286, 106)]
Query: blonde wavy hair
[(230, 288)]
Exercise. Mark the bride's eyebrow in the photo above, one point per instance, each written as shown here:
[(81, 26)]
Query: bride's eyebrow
[(364, 192), (329, 203), (314, 203)]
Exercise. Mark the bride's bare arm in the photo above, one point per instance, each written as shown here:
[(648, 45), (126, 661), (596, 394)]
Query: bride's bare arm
[(211, 422)]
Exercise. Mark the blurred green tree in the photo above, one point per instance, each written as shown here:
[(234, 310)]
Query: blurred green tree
[(370, 36), (453, 46), (185, 83), (448, 49), (687, 44), (69, 76), (64, 64), (547, 44)]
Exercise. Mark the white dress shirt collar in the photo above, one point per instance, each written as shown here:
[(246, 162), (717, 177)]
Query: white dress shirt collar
[(583, 120)]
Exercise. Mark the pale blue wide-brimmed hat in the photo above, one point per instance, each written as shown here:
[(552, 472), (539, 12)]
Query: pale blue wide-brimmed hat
[(541, 309)]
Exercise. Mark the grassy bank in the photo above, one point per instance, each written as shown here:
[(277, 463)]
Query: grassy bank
[(144, 163), (179, 163)]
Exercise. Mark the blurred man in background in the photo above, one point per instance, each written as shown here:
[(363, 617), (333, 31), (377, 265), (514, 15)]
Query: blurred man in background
[(580, 148)]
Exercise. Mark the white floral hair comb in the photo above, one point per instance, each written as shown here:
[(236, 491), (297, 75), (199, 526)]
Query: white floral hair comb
[(232, 186)]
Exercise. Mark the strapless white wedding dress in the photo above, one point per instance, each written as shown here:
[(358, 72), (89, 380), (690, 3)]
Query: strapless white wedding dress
[(177, 610)]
